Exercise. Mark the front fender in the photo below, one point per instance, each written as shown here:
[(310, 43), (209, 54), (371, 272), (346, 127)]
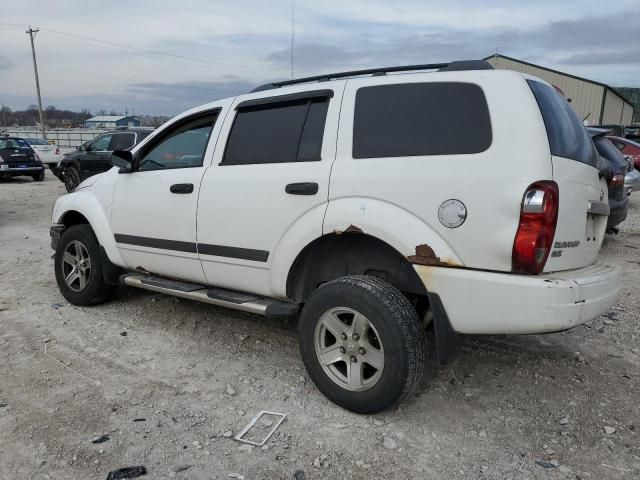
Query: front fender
[(401, 229), (87, 204)]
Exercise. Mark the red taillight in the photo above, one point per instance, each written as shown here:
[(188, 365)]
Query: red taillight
[(616, 180), (57, 151), (538, 218)]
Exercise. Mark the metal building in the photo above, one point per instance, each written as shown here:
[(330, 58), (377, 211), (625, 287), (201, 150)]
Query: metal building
[(594, 102), (111, 121)]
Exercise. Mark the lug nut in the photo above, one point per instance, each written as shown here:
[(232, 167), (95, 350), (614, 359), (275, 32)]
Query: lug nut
[(342, 350), (356, 336), (353, 359), (362, 351), (343, 336)]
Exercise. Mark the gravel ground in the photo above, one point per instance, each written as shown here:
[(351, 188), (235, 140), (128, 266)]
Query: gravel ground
[(170, 381)]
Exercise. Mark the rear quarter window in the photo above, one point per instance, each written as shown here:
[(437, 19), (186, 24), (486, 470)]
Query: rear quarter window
[(568, 138), (412, 119)]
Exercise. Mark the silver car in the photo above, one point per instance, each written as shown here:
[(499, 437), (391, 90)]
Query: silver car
[(632, 178)]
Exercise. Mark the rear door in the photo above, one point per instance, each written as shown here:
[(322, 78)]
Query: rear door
[(583, 209), (269, 175)]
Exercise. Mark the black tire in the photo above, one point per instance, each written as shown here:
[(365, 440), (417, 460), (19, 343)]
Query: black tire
[(395, 321), (38, 177), (71, 178), (96, 289)]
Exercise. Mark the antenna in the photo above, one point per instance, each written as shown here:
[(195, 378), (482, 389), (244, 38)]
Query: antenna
[(293, 32)]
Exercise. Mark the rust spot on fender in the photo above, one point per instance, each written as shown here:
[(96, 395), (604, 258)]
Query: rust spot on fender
[(426, 256), (353, 229), (350, 229)]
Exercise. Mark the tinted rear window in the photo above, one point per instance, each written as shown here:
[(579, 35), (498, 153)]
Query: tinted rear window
[(439, 118), (567, 135)]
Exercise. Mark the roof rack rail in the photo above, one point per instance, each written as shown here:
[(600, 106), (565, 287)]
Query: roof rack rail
[(441, 67)]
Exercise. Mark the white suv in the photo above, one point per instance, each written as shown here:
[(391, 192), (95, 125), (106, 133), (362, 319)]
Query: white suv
[(376, 204)]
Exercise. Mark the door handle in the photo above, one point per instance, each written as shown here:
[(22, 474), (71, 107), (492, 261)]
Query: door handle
[(304, 188), (181, 188)]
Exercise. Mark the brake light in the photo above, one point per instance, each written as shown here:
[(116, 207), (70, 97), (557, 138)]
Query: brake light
[(57, 151), (537, 227), (37, 157), (616, 180)]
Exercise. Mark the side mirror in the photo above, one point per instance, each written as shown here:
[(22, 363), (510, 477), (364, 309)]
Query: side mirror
[(83, 147), (122, 159)]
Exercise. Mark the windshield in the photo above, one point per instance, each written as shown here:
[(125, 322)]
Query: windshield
[(6, 143)]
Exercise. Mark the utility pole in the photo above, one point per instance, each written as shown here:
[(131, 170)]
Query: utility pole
[(31, 32), (293, 32)]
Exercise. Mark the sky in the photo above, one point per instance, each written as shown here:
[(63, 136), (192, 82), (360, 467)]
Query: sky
[(160, 57)]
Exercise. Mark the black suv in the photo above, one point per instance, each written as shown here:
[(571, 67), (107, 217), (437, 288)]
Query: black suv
[(93, 157), (17, 158)]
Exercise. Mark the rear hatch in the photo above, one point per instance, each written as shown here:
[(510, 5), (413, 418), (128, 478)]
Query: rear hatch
[(583, 196), (17, 153)]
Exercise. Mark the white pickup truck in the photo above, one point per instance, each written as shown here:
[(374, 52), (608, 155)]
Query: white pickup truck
[(375, 204)]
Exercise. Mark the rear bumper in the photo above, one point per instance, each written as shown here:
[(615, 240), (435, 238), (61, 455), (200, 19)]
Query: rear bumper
[(21, 171), (480, 302)]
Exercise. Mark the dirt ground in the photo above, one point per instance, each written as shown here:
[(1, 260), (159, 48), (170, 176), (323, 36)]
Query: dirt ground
[(170, 381)]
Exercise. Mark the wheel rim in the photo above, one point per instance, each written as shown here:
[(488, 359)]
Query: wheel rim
[(349, 349), (70, 181), (76, 266)]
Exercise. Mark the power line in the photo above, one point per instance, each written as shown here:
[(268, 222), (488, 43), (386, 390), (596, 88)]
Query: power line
[(150, 52)]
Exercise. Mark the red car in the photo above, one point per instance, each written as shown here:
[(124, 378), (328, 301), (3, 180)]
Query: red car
[(628, 147)]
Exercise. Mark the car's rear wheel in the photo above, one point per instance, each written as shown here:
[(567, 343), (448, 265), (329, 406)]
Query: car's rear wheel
[(362, 343), (39, 177), (78, 267), (71, 178)]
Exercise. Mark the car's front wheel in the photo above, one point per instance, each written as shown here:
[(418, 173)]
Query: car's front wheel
[(71, 178), (78, 267), (362, 343)]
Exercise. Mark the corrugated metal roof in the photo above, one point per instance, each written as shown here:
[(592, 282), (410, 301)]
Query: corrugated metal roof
[(607, 87)]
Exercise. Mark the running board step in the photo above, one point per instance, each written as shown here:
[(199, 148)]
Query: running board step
[(246, 302)]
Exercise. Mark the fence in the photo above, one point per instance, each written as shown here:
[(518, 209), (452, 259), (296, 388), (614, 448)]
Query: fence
[(72, 137)]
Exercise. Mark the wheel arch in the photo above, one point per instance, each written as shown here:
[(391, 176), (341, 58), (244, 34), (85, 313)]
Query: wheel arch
[(82, 207), (350, 253)]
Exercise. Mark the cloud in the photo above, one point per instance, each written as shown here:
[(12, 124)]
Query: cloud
[(5, 63)]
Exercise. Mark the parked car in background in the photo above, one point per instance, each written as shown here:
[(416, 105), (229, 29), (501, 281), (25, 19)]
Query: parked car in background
[(92, 157), (49, 154), (632, 178), (614, 129), (618, 198), (628, 147), (17, 158)]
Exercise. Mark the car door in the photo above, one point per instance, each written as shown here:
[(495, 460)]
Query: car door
[(92, 160), (153, 211), (268, 180)]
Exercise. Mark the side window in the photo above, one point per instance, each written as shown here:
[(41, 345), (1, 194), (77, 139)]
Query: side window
[(567, 135), (121, 141), (100, 144), (281, 132), (182, 146), (411, 119)]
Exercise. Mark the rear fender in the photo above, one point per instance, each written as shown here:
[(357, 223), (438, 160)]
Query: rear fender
[(407, 233)]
